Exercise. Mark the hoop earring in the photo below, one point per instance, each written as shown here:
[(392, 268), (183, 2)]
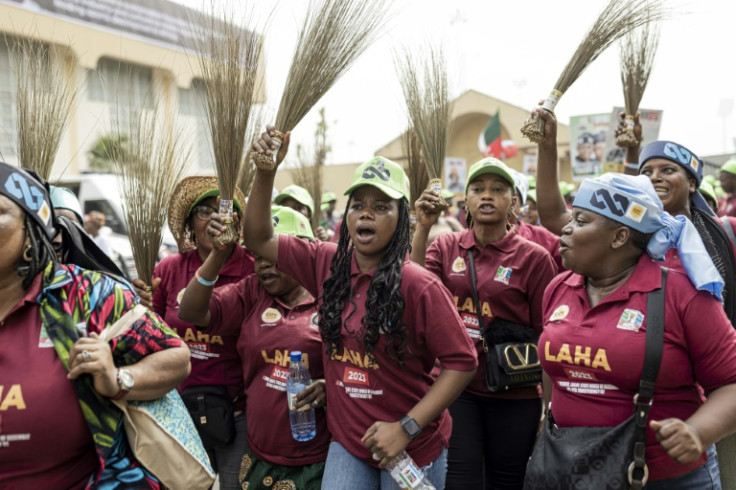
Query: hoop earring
[(27, 253)]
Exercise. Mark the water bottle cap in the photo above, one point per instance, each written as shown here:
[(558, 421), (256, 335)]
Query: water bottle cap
[(295, 356)]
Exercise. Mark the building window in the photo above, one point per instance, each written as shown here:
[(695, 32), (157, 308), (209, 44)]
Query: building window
[(194, 119)]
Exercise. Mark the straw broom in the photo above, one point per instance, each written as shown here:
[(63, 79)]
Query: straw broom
[(229, 60), (44, 103), (637, 58), (149, 167), (426, 91), (618, 18), (334, 34), (415, 167)]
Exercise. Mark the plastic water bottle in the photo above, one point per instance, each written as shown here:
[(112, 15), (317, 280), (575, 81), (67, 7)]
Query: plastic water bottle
[(408, 474), (303, 424)]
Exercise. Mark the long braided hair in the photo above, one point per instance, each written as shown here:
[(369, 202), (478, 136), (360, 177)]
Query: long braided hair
[(41, 252), (384, 303), (720, 249)]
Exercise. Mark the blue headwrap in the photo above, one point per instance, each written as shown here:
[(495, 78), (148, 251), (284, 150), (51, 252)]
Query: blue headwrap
[(680, 155), (633, 202)]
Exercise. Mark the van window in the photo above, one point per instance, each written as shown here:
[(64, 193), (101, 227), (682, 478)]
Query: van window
[(112, 220)]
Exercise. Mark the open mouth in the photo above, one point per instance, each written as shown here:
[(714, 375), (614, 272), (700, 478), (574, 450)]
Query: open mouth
[(487, 208), (563, 246), (661, 191), (267, 278), (364, 233)]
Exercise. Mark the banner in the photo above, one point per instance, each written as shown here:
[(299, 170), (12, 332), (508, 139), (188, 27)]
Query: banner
[(650, 122)]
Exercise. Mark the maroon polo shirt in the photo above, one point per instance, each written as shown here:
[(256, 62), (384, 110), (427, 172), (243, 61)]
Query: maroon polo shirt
[(215, 359), (511, 276), (268, 332), (544, 238), (39, 447), (595, 356), (360, 392), (727, 206)]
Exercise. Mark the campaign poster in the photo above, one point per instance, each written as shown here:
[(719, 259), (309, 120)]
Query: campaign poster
[(529, 165), (650, 120), (455, 174), (588, 136)]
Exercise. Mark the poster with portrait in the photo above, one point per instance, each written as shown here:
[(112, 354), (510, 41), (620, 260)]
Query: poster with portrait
[(588, 136), (455, 174), (650, 121), (529, 166)]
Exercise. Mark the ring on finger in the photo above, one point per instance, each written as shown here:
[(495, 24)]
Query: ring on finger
[(376, 457), (86, 356)]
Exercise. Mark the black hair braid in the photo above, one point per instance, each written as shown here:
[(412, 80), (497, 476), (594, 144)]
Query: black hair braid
[(335, 290), (384, 303), (41, 252), (719, 247)]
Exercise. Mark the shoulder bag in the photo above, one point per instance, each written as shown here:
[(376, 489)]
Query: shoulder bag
[(160, 432), (211, 409), (610, 458), (512, 361)]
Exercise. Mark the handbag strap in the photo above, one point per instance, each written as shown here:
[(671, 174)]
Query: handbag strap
[(124, 323), (638, 471), (474, 283)]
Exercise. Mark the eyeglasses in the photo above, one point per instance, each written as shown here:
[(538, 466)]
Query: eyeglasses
[(204, 212)]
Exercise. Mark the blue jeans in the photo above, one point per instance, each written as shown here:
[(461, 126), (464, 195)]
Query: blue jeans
[(226, 459), (706, 477), (343, 470)]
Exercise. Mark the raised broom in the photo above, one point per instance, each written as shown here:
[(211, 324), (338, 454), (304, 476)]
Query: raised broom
[(149, 168), (45, 100), (334, 34), (617, 19), (424, 82), (229, 57), (637, 58), (415, 167)]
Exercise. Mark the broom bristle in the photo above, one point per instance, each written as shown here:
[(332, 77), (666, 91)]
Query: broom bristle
[(149, 168), (426, 91), (309, 171), (228, 57), (637, 59), (616, 20), (45, 100), (334, 34), (415, 166)]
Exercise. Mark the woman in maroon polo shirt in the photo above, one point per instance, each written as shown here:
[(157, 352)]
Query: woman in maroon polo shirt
[(593, 343), (58, 425), (383, 322), (215, 360), (492, 433), (278, 316)]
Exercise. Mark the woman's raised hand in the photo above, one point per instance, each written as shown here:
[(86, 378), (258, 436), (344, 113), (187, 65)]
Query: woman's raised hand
[(428, 208), (266, 145)]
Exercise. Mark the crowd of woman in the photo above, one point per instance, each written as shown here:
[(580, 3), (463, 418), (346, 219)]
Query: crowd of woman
[(395, 331)]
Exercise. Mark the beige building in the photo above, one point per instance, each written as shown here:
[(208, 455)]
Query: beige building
[(471, 113), (120, 57)]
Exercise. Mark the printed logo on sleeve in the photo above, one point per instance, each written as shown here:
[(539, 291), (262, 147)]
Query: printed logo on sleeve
[(355, 376), (459, 265), (503, 274), (631, 320), (560, 313), (271, 315)]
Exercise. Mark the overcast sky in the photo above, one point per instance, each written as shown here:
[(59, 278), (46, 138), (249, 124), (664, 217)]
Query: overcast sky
[(514, 50)]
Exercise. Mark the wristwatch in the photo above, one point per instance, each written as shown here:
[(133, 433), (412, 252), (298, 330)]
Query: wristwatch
[(411, 427), (126, 381)]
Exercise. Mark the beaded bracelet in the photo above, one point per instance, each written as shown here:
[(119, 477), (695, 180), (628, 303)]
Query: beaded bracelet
[(204, 282)]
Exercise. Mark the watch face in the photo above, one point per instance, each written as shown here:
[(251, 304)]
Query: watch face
[(411, 427), (126, 380)]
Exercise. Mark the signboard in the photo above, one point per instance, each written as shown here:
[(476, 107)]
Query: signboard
[(455, 174), (587, 144)]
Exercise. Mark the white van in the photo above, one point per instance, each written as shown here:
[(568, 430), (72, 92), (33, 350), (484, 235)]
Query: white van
[(100, 192)]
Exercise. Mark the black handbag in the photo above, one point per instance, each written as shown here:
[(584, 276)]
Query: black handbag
[(512, 360), (605, 458), (211, 409)]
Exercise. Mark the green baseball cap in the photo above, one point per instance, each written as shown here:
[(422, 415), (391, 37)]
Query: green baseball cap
[(328, 197), (287, 221), (63, 198), (447, 194), (565, 188), (532, 194), (532, 179), (729, 166), (707, 190), (300, 194), (384, 175), (489, 165)]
